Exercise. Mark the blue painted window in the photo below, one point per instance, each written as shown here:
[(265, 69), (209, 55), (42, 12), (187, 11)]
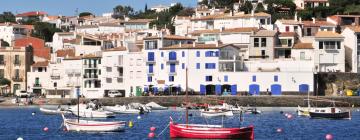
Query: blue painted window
[(171, 78), (172, 67), (217, 53), (197, 53), (172, 56), (151, 68), (208, 78), (183, 65), (183, 54), (149, 78), (162, 66), (151, 56), (210, 65), (276, 78), (197, 65), (254, 78), (226, 78), (162, 54)]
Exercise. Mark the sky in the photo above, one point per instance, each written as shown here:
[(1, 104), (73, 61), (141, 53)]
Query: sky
[(68, 7)]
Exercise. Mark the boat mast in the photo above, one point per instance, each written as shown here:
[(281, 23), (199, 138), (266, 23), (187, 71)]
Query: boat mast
[(78, 97), (186, 97)]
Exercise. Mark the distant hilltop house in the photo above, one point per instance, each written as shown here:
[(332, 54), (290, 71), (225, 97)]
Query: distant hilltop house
[(28, 15), (302, 4), (160, 8)]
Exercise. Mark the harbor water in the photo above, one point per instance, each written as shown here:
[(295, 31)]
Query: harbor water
[(18, 122)]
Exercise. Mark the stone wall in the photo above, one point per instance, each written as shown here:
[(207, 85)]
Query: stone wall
[(332, 83)]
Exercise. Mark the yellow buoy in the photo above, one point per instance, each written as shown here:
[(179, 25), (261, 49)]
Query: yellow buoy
[(131, 124)]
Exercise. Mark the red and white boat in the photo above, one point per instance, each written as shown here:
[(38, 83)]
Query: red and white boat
[(200, 131)]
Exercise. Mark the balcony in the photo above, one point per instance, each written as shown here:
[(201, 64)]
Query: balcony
[(150, 61), (172, 72), (2, 62), (17, 63), (37, 86), (91, 76), (90, 66), (230, 58), (17, 79), (55, 76)]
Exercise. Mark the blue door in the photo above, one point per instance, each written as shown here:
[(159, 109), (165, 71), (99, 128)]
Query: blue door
[(146, 89), (172, 68), (155, 90), (218, 89), (275, 89), (233, 89), (151, 56), (172, 56), (304, 88), (151, 68), (202, 89), (254, 89)]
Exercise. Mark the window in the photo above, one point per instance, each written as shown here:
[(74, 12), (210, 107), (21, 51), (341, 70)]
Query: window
[(172, 56), (321, 45), (276, 78), (108, 69), (183, 53), (226, 78), (308, 31), (108, 80), (99, 61), (254, 78), (149, 79), (150, 45), (289, 42), (172, 68), (208, 78), (263, 54), (256, 42), (40, 69), (287, 29), (262, 21), (263, 42), (55, 84), (162, 66), (197, 65), (171, 78), (302, 55), (151, 68), (197, 53), (120, 80), (1, 73), (210, 65), (162, 54), (338, 44), (183, 65), (151, 56), (17, 60), (2, 61)]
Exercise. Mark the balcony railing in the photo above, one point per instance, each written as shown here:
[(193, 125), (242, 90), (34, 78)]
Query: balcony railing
[(90, 66), (17, 62), (55, 77), (91, 76), (230, 58), (17, 79), (37, 85)]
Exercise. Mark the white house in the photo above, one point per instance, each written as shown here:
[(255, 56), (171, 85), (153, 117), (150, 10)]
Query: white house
[(61, 40), (9, 31), (352, 47), (302, 4)]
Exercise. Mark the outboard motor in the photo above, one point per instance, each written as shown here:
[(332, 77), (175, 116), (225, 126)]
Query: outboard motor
[(141, 110)]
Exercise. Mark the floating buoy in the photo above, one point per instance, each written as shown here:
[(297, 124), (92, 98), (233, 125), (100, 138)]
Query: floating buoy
[(139, 117), (279, 130), (19, 138), (281, 112), (286, 114), (33, 113), (152, 129), (131, 124), (289, 116), (46, 129), (353, 106), (65, 129), (329, 137), (151, 135)]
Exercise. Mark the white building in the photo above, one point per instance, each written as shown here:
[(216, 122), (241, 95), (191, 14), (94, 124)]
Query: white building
[(329, 52), (302, 4), (61, 40), (283, 25), (9, 31), (352, 47), (159, 8)]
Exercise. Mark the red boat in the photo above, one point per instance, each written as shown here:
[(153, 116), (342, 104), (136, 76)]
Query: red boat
[(198, 131)]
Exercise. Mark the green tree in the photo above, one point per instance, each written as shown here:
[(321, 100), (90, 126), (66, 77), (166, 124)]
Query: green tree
[(4, 81), (83, 14), (247, 7), (121, 11), (44, 31), (7, 17), (352, 9), (305, 14), (260, 8), (186, 12)]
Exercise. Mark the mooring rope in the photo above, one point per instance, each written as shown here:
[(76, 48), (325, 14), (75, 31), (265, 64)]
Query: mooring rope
[(167, 127)]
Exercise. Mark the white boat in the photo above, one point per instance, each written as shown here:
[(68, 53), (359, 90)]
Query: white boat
[(252, 111), (226, 106), (122, 109), (93, 126), (53, 111), (155, 106), (216, 113), (329, 113), (303, 111), (88, 112), (140, 106)]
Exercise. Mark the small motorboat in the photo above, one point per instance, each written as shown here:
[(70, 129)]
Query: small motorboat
[(199, 131), (57, 111), (93, 126), (140, 107), (216, 113), (122, 109), (225, 106), (252, 111), (87, 112), (303, 111), (329, 113), (155, 106)]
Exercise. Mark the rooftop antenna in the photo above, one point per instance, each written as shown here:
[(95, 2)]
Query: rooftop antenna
[(76, 11)]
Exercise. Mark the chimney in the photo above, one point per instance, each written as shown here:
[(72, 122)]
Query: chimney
[(180, 44), (194, 44), (313, 20)]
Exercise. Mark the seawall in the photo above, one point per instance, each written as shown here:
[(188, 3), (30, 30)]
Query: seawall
[(265, 101)]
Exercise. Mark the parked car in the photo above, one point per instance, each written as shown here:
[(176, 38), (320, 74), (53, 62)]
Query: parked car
[(22, 93), (114, 93)]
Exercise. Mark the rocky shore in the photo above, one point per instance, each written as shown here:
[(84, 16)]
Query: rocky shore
[(264, 101)]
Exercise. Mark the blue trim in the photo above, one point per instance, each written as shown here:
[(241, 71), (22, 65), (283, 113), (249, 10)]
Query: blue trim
[(172, 55), (155, 89), (149, 79), (197, 53), (172, 68), (151, 56), (183, 65), (197, 65), (183, 53), (233, 89), (171, 78), (162, 54), (304, 88), (151, 68), (202, 89), (254, 89), (276, 89), (276, 78), (226, 78), (162, 66), (210, 66), (254, 78), (218, 89)]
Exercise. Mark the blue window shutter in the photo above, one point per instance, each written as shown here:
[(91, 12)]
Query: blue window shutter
[(233, 89), (197, 65), (162, 66), (172, 67), (151, 56), (162, 54), (183, 65), (151, 68), (218, 89), (197, 53), (226, 78), (149, 79), (183, 54), (217, 53), (202, 89), (276, 78), (254, 78)]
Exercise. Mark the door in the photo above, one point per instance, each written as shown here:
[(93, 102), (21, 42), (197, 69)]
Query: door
[(218, 89), (254, 89), (202, 89), (275, 89), (304, 88), (233, 89), (138, 91)]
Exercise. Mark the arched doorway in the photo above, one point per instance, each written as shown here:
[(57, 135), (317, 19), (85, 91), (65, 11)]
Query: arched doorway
[(210, 89), (304, 88), (226, 88), (254, 89), (276, 89)]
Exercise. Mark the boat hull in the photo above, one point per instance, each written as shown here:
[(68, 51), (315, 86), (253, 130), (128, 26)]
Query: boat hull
[(52, 112), (121, 110), (216, 114), (341, 115), (203, 132), (303, 111), (94, 126)]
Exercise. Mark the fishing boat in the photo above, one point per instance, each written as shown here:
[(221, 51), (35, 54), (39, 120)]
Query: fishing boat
[(122, 109), (93, 126), (48, 111), (155, 106), (330, 113), (84, 111), (252, 111), (200, 131), (225, 106), (140, 107), (216, 113), (303, 111)]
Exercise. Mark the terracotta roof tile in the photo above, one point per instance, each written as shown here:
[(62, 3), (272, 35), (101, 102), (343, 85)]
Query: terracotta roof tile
[(38, 45), (226, 30), (327, 34), (65, 53), (289, 21), (170, 37), (116, 49), (32, 13), (303, 46), (191, 46), (228, 16), (287, 34), (354, 28), (41, 64), (265, 33), (317, 23)]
